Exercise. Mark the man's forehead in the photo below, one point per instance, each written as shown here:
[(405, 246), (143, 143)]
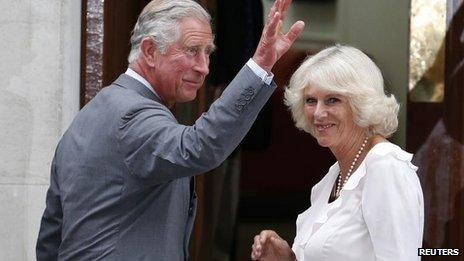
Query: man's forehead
[(197, 31), (195, 24)]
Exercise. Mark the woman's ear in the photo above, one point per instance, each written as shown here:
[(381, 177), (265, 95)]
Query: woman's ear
[(148, 51)]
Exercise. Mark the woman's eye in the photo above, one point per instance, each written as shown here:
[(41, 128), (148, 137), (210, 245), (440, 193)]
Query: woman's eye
[(332, 100), (310, 101)]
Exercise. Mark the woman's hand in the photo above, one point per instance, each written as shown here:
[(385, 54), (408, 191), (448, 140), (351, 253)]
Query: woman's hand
[(268, 246)]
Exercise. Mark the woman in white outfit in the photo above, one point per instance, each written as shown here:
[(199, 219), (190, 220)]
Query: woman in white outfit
[(369, 206)]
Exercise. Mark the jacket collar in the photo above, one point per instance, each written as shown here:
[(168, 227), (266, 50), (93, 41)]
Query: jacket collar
[(128, 82)]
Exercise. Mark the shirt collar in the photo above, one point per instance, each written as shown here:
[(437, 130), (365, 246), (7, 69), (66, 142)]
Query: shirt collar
[(139, 78)]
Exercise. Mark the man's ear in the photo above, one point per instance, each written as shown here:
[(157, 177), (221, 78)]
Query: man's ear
[(148, 51)]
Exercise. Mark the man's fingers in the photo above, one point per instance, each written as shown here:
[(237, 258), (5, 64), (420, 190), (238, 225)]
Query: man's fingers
[(286, 4), (274, 43), (273, 25), (272, 12), (295, 30), (283, 8)]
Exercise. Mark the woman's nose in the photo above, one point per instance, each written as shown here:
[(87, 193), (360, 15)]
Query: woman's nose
[(321, 110)]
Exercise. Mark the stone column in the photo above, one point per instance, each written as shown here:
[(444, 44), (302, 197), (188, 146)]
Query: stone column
[(39, 96)]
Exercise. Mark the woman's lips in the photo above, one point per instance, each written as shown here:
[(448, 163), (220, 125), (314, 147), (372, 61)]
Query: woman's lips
[(323, 127)]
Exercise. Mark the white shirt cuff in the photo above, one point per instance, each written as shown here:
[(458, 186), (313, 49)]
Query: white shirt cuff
[(260, 72)]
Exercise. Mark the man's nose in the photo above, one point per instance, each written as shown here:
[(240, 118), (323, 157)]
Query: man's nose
[(202, 64)]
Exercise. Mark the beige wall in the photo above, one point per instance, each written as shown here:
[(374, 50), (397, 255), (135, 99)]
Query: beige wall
[(39, 86), (381, 29)]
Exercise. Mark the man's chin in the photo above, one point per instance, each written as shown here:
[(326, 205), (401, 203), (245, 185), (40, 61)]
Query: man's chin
[(188, 97)]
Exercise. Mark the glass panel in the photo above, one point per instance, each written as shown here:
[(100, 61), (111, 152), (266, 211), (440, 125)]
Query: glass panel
[(427, 50)]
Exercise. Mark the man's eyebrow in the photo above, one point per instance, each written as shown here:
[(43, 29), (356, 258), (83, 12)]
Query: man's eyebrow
[(211, 47)]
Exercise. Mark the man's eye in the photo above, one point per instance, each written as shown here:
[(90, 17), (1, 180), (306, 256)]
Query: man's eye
[(192, 51)]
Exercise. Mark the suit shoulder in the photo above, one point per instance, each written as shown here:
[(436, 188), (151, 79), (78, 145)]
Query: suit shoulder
[(128, 100)]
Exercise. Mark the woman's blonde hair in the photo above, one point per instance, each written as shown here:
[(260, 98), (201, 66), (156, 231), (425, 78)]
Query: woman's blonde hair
[(349, 72)]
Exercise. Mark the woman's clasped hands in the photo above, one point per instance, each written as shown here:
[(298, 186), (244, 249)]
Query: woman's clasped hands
[(269, 246)]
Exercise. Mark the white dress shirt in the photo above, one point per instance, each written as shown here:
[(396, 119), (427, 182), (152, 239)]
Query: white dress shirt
[(379, 214)]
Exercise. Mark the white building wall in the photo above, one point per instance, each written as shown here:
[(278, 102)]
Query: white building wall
[(39, 96)]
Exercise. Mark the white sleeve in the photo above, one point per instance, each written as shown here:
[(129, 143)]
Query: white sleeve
[(392, 205), (260, 72)]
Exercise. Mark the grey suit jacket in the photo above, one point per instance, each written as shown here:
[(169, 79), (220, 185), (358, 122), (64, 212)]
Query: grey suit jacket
[(121, 179)]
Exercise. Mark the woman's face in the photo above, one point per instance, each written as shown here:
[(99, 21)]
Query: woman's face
[(330, 117)]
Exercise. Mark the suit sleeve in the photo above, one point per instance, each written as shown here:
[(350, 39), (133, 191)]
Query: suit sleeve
[(392, 206), (49, 239), (157, 148)]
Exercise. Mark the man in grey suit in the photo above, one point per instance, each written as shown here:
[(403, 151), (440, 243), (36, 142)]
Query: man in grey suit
[(121, 185)]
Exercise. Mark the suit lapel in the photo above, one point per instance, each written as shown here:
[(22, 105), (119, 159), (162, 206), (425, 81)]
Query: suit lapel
[(128, 82)]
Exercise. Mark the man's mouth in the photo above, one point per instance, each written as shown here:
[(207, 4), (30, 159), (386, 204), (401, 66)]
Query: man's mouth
[(197, 83)]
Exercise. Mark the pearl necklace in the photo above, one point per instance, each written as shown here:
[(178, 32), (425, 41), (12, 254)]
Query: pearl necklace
[(353, 163)]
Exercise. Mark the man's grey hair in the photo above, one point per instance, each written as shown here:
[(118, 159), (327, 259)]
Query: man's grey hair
[(160, 20)]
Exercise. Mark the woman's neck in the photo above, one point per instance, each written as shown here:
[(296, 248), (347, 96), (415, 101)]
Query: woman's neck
[(347, 152)]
